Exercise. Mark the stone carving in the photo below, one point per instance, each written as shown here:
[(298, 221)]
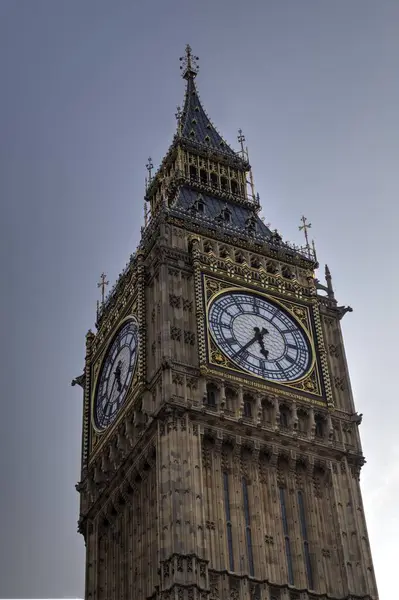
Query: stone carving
[(333, 350), (189, 337), (177, 379), (187, 305), (174, 301), (175, 333), (339, 383), (269, 539)]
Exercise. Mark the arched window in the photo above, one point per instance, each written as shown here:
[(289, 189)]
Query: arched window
[(319, 423), (223, 252), (214, 180), (284, 416), (271, 267), (208, 247), (267, 412), (287, 273), (224, 184), (248, 402), (230, 398), (234, 186), (211, 392), (203, 177), (193, 172), (303, 421)]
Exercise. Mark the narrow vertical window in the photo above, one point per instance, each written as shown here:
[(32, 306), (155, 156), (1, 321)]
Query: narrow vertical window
[(228, 519), (248, 535), (286, 537), (305, 540)]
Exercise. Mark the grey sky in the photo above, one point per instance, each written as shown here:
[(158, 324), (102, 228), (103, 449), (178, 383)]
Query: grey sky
[(89, 90)]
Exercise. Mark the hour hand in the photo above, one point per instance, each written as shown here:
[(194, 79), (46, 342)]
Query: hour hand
[(117, 374), (259, 334)]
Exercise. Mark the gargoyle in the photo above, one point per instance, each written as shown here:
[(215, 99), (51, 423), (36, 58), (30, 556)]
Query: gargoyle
[(80, 380)]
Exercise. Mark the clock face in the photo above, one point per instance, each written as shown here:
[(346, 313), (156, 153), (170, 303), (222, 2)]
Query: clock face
[(116, 375), (259, 336)]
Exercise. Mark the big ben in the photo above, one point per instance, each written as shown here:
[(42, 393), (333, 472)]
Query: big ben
[(221, 455)]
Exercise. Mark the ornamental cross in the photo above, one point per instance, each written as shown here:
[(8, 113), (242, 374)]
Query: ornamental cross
[(189, 64), (149, 166), (241, 140), (305, 226), (103, 284)]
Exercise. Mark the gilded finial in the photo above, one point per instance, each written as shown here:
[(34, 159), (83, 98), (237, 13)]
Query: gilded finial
[(189, 64), (102, 284), (149, 166), (305, 226), (241, 140)]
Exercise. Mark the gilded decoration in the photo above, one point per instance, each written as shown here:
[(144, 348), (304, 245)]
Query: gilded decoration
[(311, 384)]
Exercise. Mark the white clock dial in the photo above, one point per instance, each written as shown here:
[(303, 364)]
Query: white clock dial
[(116, 375), (259, 336)]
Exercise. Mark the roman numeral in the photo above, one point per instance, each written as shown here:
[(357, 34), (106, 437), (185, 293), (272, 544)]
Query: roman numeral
[(292, 346)]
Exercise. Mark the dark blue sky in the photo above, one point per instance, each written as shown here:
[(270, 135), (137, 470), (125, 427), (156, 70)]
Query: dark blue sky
[(89, 89)]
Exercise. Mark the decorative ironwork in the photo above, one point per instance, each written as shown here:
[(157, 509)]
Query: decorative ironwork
[(189, 64), (305, 227), (149, 166), (102, 284)]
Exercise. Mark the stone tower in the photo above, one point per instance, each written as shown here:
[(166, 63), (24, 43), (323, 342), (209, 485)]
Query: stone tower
[(220, 450)]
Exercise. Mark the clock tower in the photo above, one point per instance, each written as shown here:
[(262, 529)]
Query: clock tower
[(220, 451)]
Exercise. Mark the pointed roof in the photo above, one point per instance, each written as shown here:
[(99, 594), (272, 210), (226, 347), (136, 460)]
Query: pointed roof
[(195, 124)]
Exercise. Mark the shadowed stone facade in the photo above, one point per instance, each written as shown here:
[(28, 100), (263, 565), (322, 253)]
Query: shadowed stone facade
[(212, 483)]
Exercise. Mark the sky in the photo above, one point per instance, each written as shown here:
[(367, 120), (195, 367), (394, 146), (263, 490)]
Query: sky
[(89, 90)]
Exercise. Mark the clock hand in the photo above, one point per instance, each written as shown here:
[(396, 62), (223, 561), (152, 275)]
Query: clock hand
[(117, 374), (108, 402), (259, 335), (247, 345)]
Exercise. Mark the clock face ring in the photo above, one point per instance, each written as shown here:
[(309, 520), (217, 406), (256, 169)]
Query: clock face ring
[(259, 336), (116, 375)]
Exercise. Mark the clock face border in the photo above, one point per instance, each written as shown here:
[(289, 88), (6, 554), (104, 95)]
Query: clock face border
[(308, 350), (101, 431), (312, 386)]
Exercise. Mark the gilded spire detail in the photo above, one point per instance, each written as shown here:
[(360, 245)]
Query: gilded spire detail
[(149, 166), (102, 284), (189, 64), (304, 227)]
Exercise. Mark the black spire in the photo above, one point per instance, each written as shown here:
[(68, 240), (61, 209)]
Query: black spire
[(194, 123)]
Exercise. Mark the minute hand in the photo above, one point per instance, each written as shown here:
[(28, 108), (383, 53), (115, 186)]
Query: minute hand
[(247, 345)]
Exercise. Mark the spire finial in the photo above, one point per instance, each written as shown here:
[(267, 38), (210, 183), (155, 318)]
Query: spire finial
[(241, 140), (103, 284), (149, 166), (305, 226), (189, 64)]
